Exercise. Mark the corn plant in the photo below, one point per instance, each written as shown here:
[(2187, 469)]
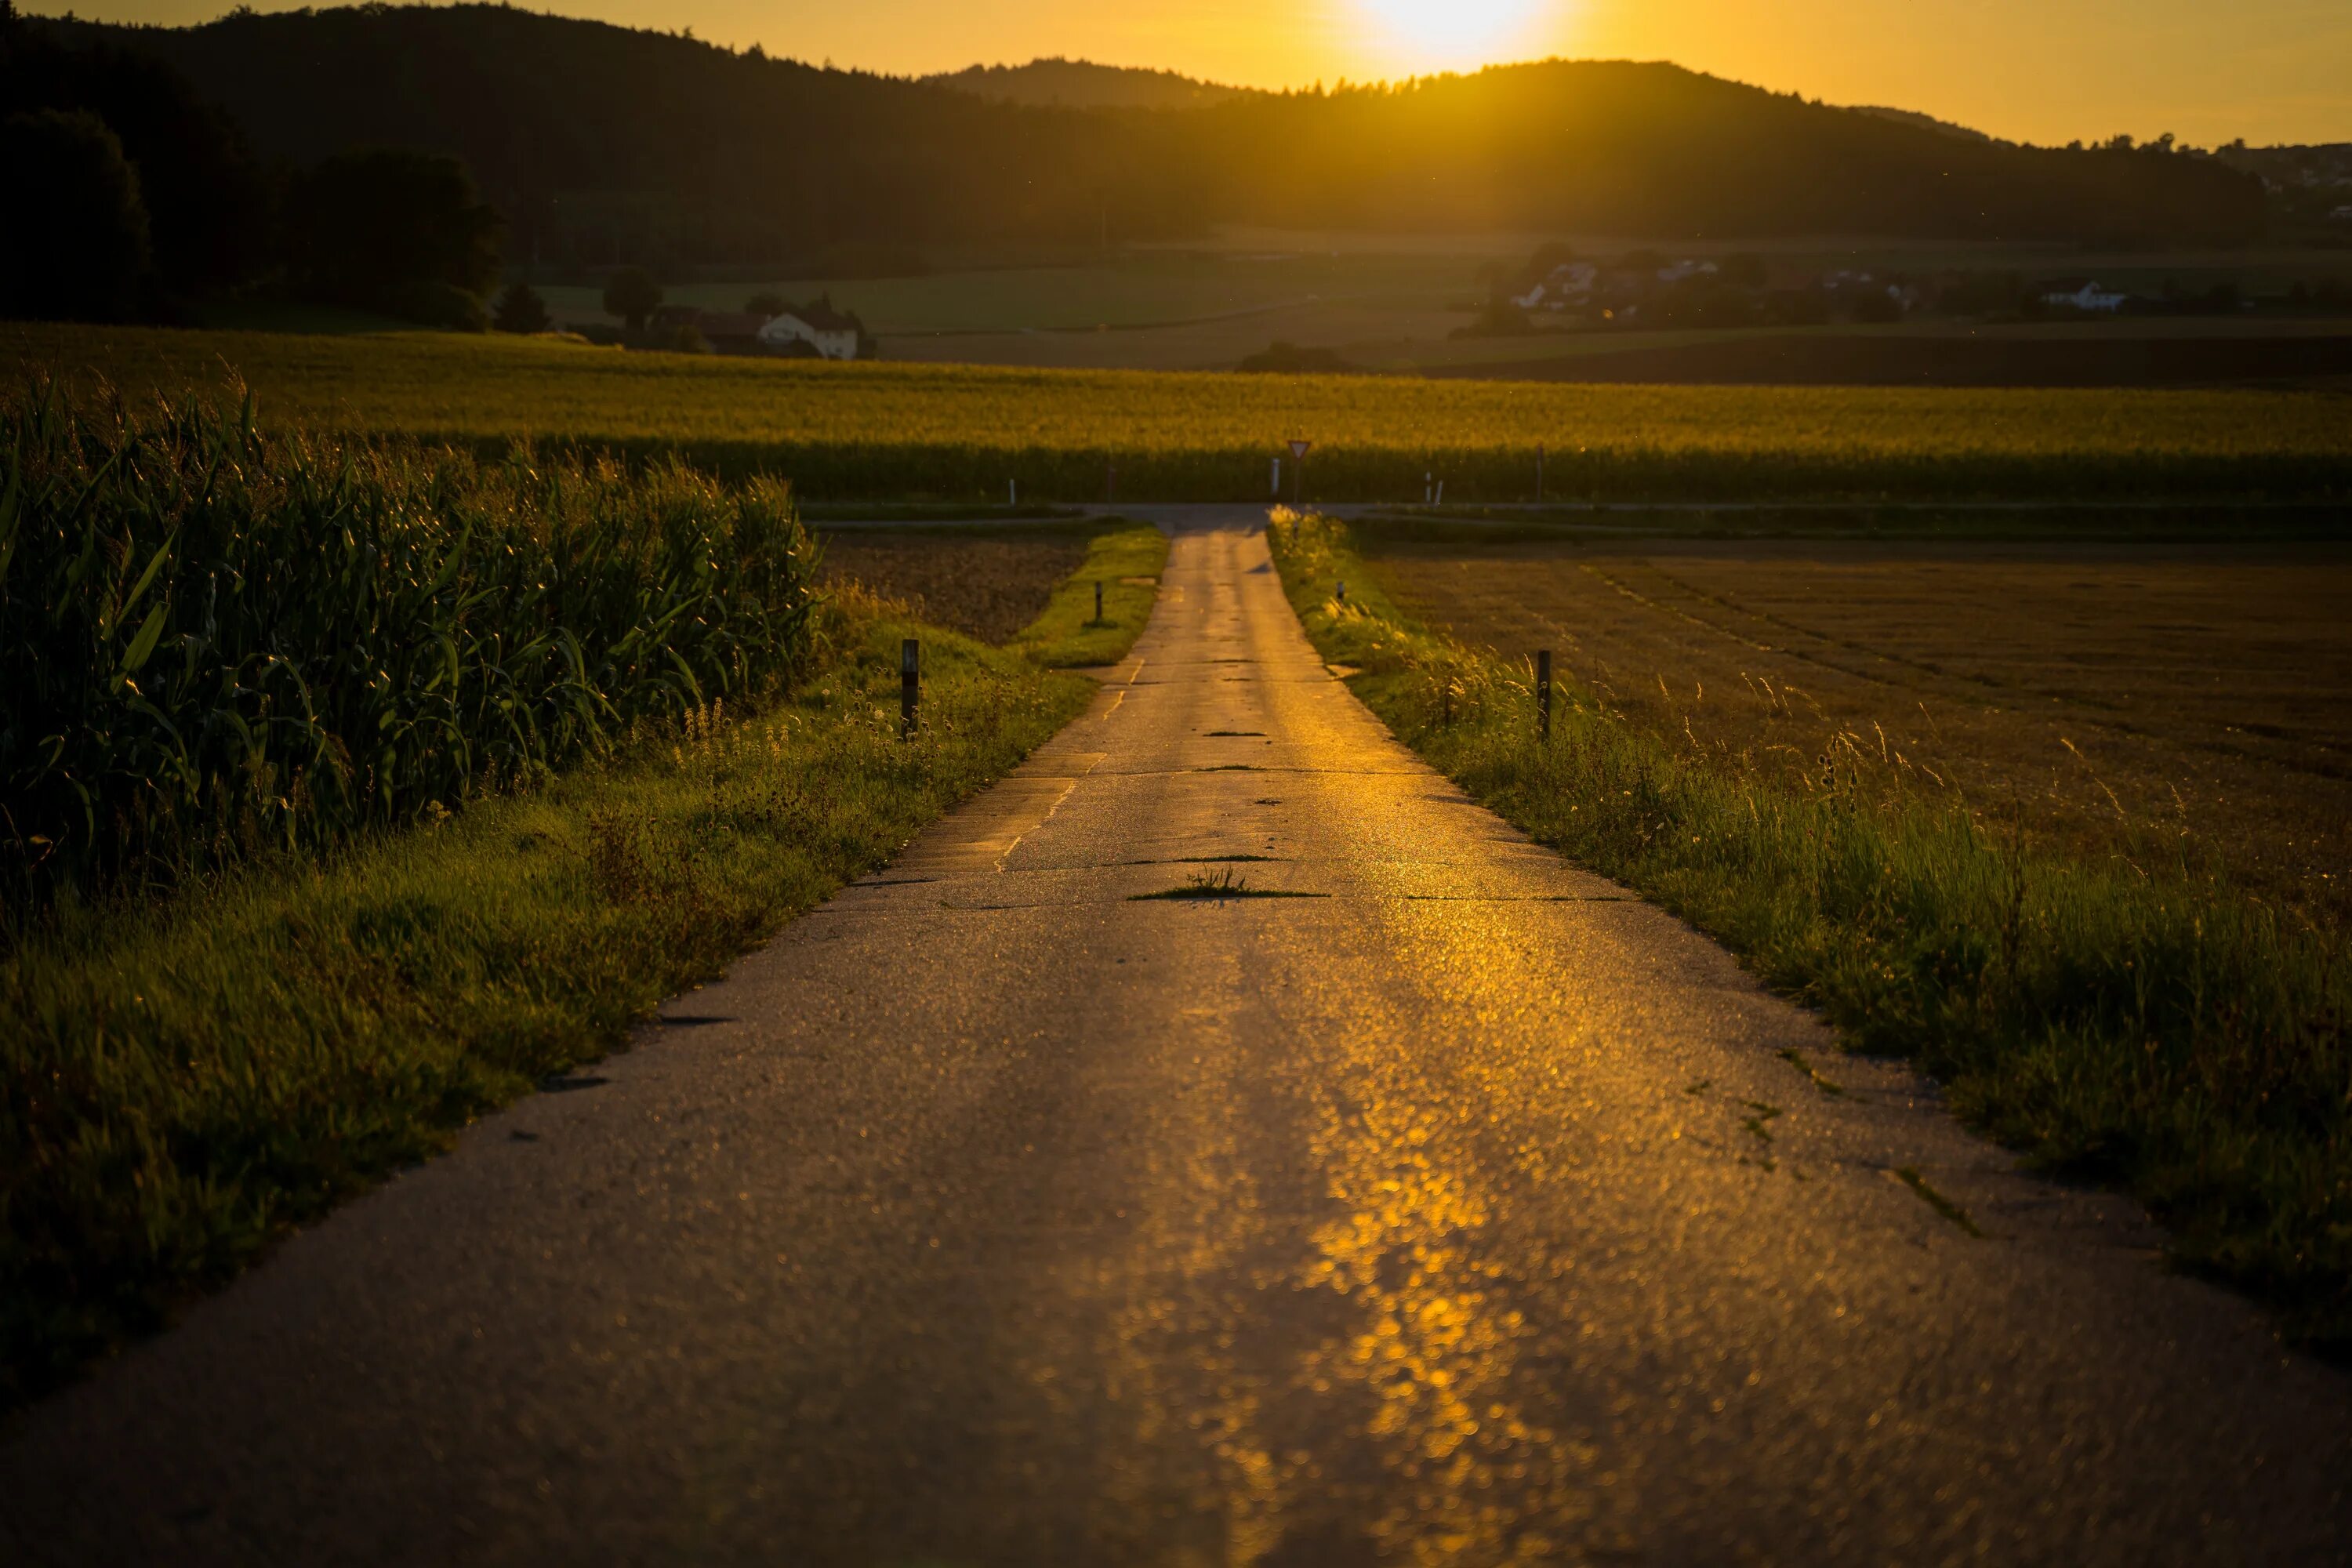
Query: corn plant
[(214, 638)]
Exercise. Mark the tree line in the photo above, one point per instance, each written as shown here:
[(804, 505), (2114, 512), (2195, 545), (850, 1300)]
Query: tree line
[(128, 194), (598, 146)]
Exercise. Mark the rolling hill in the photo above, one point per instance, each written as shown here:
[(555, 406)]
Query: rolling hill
[(600, 143)]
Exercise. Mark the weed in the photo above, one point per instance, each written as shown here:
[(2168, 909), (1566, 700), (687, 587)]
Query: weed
[(1910, 1177), (1218, 886), (1796, 1058), (1759, 1117)]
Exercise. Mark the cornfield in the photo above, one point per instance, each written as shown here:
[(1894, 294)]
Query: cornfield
[(214, 638), (975, 432)]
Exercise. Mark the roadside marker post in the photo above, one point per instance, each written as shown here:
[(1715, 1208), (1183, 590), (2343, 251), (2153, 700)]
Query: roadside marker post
[(1299, 450), (1543, 694), (1098, 620), (910, 682), (1539, 455), (1276, 491)]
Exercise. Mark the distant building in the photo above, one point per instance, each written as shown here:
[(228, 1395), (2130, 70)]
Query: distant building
[(731, 331), (2081, 294), (1569, 284), (820, 326)]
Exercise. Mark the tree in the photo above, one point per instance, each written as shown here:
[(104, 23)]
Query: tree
[(207, 204), (1746, 271), (767, 302), (401, 232), (633, 294), (78, 249), (521, 310)]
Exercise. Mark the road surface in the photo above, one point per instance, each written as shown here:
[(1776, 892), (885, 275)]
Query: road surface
[(1460, 1209)]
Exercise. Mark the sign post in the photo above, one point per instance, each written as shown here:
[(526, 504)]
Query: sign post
[(1299, 450), (910, 679)]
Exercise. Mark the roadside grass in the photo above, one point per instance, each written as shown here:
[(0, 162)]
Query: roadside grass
[(1126, 561), (963, 433), (2143, 700), (396, 783), (185, 1079), (2154, 1027), (1028, 584)]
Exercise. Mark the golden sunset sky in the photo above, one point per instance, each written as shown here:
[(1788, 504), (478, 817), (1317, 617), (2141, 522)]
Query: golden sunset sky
[(2042, 71)]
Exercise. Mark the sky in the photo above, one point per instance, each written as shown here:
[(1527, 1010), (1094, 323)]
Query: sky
[(2038, 70)]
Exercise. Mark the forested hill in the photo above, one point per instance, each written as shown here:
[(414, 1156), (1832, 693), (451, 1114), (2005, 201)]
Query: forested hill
[(1082, 84), (606, 143)]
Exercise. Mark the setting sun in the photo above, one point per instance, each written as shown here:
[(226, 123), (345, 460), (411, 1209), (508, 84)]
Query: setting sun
[(1445, 33)]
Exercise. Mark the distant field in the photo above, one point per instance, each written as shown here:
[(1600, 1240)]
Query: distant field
[(2136, 698), (1387, 302), (2113, 354), (984, 583), (1126, 293), (846, 432)]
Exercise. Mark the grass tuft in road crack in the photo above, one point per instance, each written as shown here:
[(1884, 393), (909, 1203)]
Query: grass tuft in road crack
[(1910, 1177), (1216, 887), (1796, 1058)]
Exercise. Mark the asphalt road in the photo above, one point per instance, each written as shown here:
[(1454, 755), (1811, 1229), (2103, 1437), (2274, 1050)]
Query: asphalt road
[(1465, 1211)]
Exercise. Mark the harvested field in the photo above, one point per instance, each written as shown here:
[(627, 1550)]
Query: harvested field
[(2136, 699), (988, 584)]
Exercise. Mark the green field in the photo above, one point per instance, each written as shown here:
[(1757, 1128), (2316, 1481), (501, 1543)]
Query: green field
[(1391, 300), (842, 432)]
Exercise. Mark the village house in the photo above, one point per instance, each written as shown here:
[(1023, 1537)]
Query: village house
[(731, 331), (2081, 294), (1569, 284), (820, 326)]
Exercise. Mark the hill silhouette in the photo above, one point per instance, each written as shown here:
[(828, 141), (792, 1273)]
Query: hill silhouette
[(1082, 84), (600, 143)]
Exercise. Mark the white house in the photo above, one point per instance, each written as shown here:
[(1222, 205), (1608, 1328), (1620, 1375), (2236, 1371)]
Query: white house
[(2085, 296), (1567, 284), (832, 335)]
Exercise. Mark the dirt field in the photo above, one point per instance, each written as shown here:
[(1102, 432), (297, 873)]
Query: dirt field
[(987, 584), (2127, 696)]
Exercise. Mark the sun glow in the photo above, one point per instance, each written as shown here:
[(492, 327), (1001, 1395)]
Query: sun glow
[(1443, 35)]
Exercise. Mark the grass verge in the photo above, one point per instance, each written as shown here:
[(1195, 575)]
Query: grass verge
[(2154, 1027), (1126, 561), (182, 1081)]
